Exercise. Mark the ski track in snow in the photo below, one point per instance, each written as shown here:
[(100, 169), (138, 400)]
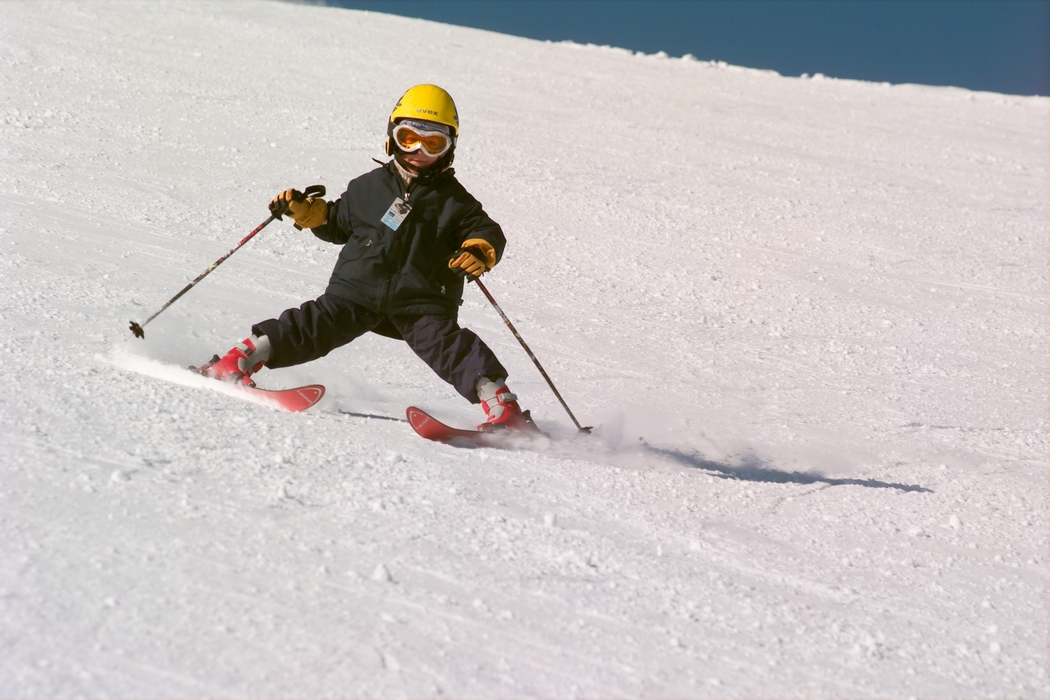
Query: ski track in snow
[(813, 339)]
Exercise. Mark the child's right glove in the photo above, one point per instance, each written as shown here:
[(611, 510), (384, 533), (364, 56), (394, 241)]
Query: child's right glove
[(307, 212)]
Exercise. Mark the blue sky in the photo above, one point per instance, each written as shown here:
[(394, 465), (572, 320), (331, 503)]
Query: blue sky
[(1000, 45)]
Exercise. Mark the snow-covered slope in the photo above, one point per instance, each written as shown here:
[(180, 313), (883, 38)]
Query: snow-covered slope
[(809, 317)]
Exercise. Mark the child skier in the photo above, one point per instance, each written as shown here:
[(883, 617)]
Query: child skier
[(411, 234)]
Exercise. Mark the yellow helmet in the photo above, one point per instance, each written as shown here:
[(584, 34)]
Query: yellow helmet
[(428, 102)]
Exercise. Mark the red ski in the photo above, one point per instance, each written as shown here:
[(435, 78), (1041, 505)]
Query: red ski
[(293, 400), (431, 428), (298, 399)]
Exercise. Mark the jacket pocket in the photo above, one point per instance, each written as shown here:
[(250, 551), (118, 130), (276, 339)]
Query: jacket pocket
[(355, 249)]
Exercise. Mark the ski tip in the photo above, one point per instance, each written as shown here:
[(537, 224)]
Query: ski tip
[(429, 427), (293, 400), (312, 393), (416, 417)]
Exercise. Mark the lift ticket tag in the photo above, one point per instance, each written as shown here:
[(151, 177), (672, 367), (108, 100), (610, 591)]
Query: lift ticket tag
[(397, 213)]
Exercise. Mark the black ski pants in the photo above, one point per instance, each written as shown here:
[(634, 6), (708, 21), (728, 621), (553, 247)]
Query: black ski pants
[(317, 327)]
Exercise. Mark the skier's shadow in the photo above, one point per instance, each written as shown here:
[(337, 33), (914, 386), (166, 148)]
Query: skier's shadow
[(752, 468)]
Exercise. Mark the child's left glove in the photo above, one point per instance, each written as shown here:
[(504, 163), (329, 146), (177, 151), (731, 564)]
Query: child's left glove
[(474, 258)]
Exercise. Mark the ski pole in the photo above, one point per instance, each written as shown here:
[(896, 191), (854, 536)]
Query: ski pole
[(485, 291), (136, 328)]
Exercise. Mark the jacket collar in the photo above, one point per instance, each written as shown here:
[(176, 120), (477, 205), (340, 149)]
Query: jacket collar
[(427, 177)]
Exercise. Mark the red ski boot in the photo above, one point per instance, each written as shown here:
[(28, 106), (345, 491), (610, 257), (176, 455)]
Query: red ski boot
[(240, 363), (501, 407)]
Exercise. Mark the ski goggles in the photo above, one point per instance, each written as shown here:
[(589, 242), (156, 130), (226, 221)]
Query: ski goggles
[(412, 135)]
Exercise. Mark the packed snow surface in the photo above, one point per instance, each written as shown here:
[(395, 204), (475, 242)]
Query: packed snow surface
[(808, 318)]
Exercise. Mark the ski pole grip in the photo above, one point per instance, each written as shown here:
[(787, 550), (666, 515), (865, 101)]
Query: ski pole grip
[(311, 191)]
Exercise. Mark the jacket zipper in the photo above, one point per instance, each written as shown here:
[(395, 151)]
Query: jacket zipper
[(398, 240)]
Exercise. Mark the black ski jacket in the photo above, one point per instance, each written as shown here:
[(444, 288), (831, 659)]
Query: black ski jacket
[(404, 271)]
